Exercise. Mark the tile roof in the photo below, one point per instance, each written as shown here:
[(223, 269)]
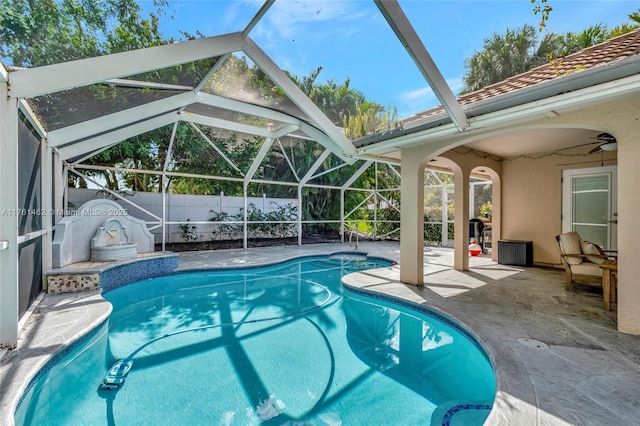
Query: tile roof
[(606, 53)]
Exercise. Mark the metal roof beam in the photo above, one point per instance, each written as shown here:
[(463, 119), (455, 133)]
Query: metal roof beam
[(119, 135), (123, 118), (32, 118), (124, 82), (224, 124), (407, 35), (118, 119), (258, 16), (316, 165), (233, 105), (285, 130), (212, 71), (357, 174), (30, 82), (257, 160), (83, 158), (323, 140), (172, 139), (336, 141), (215, 147)]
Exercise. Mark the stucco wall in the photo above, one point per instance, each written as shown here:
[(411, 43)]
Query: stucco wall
[(532, 200)]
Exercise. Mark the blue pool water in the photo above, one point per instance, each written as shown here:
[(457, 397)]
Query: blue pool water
[(280, 344)]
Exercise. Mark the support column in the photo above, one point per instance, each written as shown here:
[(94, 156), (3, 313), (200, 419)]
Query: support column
[(496, 215), (8, 220), (300, 215), (59, 183), (341, 215), (461, 220), (412, 220), (245, 226), (46, 180), (628, 242)]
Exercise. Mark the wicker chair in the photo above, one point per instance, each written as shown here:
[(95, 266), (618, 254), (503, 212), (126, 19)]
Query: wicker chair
[(581, 259)]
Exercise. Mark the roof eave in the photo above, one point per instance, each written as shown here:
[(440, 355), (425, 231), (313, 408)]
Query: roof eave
[(501, 106), (600, 74)]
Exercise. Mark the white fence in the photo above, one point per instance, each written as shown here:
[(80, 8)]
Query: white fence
[(197, 209)]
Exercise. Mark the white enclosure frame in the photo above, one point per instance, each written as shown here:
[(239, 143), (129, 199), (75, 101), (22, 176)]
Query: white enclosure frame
[(64, 149)]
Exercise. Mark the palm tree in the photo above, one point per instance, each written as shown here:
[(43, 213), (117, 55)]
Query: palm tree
[(624, 28), (573, 42), (506, 55)]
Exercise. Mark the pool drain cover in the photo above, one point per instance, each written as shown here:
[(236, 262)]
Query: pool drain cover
[(532, 343)]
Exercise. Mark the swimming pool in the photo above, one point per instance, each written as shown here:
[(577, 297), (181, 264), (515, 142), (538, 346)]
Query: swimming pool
[(268, 345)]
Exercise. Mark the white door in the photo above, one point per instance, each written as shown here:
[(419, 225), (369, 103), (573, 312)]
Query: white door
[(589, 204)]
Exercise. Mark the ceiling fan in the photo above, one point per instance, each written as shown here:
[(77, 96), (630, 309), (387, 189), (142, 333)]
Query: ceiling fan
[(606, 143)]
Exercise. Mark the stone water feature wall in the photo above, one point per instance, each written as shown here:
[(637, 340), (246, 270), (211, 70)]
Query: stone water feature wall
[(73, 234)]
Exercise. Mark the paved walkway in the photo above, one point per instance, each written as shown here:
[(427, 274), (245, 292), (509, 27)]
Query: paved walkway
[(558, 357)]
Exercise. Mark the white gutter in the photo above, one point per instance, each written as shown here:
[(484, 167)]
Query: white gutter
[(598, 75)]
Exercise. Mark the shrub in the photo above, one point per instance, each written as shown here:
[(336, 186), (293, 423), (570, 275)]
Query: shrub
[(189, 232)]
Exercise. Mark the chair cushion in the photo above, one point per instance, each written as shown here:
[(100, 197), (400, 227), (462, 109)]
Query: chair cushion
[(591, 248), (587, 268), (570, 244)]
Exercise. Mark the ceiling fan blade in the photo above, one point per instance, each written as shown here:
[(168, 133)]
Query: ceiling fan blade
[(594, 150), (605, 137)]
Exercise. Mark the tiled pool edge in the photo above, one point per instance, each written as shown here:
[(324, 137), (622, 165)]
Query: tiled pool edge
[(290, 257), (137, 271), (55, 359), (448, 417), (111, 277), (510, 372), (36, 365)]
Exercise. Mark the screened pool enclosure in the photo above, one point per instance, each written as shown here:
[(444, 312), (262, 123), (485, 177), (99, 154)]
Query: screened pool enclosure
[(213, 118)]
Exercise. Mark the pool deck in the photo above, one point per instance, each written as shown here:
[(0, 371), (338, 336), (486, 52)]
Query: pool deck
[(557, 354)]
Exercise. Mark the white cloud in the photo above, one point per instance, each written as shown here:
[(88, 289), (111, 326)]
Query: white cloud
[(423, 98), (309, 20), (291, 18), (299, 35)]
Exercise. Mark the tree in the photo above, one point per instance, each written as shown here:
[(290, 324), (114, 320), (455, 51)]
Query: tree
[(42, 32), (624, 28), (506, 55), (519, 50), (573, 42)]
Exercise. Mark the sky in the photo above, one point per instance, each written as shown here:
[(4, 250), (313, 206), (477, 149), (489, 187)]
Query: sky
[(351, 39)]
